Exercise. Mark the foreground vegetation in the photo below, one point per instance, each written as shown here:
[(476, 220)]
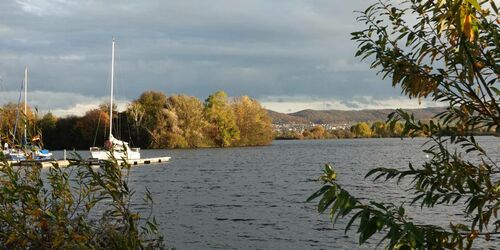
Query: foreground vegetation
[(78, 207), (446, 50), (152, 121)]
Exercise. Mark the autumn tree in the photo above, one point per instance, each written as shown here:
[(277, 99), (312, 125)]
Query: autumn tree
[(135, 112), (145, 112), (222, 121), (13, 120), (396, 129), (93, 127), (104, 107), (8, 114), (447, 51), (379, 129), (191, 119), (317, 132), (361, 130), (152, 102), (253, 122), (48, 122), (342, 133), (47, 126), (167, 132), (184, 123), (67, 136)]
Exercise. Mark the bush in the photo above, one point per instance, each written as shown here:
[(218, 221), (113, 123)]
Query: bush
[(78, 207), (447, 51)]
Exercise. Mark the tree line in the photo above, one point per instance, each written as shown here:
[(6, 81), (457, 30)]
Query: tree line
[(154, 120), (377, 129)]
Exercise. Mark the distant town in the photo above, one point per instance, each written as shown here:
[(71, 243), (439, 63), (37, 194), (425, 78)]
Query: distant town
[(330, 120)]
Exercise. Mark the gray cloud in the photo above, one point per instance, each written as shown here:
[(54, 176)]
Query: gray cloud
[(259, 48)]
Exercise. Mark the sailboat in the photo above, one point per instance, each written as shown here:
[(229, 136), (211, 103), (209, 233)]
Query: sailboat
[(120, 150), (27, 151)]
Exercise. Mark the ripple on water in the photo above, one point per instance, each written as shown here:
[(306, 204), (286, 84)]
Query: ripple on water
[(254, 198)]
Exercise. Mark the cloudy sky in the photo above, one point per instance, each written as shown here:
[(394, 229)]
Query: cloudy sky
[(290, 55)]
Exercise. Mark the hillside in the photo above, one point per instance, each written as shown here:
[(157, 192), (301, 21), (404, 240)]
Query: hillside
[(282, 118), (344, 116)]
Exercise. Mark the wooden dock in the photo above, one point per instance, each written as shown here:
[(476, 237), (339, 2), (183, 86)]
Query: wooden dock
[(93, 162)]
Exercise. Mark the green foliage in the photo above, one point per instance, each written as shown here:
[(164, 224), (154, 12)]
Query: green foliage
[(448, 51), (151, 103), (372, 217), (223, 128), (48, 124), (78, 207), (145, 112)]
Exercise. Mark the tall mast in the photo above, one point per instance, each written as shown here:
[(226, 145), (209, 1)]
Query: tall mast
[(25, 139), (112, 82)]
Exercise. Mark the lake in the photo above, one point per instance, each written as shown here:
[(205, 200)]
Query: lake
[(254, 197)]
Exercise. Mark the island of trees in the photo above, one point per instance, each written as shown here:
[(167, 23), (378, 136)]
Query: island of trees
[(154, 120)]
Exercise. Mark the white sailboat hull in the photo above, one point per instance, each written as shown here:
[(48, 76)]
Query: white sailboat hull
[(102, 154)]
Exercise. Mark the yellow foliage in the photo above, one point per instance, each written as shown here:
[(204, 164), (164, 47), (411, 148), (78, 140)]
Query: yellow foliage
[(467, 27), (78, 237), (135, 216), (12, 238)]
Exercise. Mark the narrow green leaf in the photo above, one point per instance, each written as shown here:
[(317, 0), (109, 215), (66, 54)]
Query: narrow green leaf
[(318, 193)]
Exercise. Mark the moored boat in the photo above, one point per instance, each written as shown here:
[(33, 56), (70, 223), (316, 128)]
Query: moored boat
[(27, 151), (116, 148)]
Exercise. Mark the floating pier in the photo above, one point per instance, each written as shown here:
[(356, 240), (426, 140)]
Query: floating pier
[(154, 160), (92, 162)]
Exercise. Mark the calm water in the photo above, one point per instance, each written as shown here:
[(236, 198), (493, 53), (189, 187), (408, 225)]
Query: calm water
[(253, 198)]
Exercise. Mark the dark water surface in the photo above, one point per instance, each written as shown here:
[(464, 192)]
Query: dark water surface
[(253, 198)]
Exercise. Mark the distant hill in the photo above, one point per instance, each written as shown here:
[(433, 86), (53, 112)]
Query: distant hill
[(282, 118), (344, 116)]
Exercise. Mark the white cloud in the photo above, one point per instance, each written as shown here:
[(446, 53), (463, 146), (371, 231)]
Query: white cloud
[(79, 109), (72, 57), (64, 104), (194, 47), (61, 103), (44, 7)]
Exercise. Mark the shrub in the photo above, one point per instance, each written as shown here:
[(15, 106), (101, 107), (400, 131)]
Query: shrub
[(77, 207)]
